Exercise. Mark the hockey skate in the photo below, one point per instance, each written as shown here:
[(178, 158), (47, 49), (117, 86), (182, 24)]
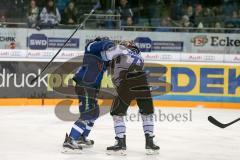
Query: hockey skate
[(150, 147), (84, 142), (71, 146), (119, 148)]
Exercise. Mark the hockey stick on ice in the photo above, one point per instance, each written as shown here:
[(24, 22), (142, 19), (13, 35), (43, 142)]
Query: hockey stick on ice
[(78, 27), (219, 124)]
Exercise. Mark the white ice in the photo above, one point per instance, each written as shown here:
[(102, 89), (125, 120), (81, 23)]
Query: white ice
[(35, 133)]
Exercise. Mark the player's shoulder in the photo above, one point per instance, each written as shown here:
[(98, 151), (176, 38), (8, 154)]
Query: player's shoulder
[(98, 46), (106, 42)]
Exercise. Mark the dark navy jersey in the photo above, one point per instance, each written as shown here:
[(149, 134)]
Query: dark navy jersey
[(93, 67)]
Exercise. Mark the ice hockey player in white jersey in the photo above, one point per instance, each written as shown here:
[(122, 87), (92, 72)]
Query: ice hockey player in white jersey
[(131, 83)]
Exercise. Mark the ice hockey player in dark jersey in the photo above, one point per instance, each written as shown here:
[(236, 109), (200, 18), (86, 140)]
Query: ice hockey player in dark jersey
[(131, 83), (88, 80)]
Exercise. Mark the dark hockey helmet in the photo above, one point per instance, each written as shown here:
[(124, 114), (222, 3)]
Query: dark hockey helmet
[(130, 45), (101, 38)]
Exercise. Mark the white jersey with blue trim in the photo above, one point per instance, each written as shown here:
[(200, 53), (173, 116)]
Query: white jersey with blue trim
[(128, 61)]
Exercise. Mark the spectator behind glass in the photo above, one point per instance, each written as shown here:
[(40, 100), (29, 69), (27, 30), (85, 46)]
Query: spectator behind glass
[(109, 24), (129, 23), (185, 21), (125, 11), (50, 16), (190, 14), (217, 27), (70, 14), (165, 25), (198, 10), (2, 20), (32, 14)]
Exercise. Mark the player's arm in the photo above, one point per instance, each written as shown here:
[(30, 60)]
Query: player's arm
[(96, 46), (114, 52)]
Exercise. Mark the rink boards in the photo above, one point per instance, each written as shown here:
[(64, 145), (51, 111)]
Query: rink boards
[(19, 102), (178, 85)]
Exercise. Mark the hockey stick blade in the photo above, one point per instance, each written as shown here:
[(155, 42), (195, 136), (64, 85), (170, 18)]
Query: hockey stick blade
[(79, 26), (219, 124)]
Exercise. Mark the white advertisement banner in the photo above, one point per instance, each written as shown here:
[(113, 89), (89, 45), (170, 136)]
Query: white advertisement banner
[(36, 55), (161, 56), (193, 57), (213, 43), (163, 46)]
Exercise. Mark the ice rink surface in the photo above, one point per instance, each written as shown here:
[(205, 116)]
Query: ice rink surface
[(35, 133)]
